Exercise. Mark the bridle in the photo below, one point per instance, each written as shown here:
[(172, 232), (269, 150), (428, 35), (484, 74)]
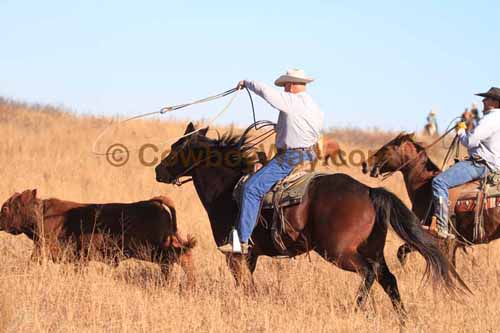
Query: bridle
[(179, 182), (414, 158)]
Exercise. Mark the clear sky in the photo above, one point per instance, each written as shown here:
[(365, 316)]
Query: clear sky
[(377, 63)]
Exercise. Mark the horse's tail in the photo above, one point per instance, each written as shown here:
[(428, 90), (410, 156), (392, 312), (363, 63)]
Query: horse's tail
[(390, 209)]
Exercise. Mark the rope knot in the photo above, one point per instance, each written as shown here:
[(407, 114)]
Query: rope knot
[(166, 109)]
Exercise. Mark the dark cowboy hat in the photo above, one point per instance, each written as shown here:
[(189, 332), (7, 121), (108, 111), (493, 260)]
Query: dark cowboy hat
[(493, 93)]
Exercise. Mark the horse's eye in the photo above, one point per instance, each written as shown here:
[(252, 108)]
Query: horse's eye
[(5, 209)]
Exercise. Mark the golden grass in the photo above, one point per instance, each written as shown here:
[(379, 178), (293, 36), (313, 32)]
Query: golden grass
[(51, 150)]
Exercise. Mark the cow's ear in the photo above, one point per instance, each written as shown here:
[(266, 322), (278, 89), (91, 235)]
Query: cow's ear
[(204, 131), (190, 128)]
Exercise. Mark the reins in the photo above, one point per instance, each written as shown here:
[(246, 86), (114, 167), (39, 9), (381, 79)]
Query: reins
[(260, 138), (455, 145)]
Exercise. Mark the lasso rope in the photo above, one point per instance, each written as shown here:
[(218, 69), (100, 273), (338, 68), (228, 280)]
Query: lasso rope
[(170, 109)]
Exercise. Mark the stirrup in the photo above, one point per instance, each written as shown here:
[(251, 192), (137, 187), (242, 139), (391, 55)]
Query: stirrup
[(433, 229), (445, 235)]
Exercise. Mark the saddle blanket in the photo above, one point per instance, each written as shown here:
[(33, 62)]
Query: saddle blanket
[(287, 192), (469, 205), (468, 200)]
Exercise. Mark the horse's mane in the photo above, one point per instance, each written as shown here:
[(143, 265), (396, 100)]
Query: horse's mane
[(229, 139), (236, 148), (405, 136)]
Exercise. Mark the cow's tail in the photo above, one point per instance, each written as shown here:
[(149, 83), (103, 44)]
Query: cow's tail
[(176, 240), (190, 242), (390, 209), (169, 206)]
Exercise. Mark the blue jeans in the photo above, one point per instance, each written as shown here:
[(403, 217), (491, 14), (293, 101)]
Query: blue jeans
[(458, 174), (261, 182)]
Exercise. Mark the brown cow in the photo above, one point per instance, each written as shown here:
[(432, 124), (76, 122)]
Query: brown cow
[(145, 230)]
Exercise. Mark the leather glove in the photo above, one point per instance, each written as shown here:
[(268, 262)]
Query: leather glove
[(461, 127), (241, 85)]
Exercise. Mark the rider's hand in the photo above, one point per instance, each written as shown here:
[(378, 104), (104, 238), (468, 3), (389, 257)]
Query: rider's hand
[(241, 85), (467, 116), (460, 127)]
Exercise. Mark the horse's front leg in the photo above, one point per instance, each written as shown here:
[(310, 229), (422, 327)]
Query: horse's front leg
[(36, 255)]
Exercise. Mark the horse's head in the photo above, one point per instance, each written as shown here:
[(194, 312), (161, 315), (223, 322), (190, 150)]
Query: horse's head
[(185, 154), (20, 212), (392, 156)]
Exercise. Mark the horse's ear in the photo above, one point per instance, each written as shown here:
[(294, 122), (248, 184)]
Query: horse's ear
[(412, 136), (190, 128), (204, 131), (27, 196)]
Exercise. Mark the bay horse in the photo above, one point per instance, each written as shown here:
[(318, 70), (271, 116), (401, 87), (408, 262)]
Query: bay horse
[(341, 219), (329, 149), (404, 154)]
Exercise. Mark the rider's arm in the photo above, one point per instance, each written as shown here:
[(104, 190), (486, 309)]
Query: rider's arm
[(483, 130), (278, 100)]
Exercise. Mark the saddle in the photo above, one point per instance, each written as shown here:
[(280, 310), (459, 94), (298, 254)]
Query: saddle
[(287, 192), (475, 197)]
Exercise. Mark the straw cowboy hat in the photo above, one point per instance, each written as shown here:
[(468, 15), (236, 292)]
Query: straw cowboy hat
[(493, 93), (294, 76)]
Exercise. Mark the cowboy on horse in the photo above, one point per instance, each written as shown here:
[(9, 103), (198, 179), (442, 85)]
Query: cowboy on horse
[(483, 144), (431, 128), (298, 129)]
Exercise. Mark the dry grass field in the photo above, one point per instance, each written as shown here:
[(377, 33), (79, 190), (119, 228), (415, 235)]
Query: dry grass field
[(51, 150)]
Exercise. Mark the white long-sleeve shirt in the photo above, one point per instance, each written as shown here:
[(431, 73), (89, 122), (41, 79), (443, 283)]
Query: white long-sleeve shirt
[(484, 140), (300, 119)]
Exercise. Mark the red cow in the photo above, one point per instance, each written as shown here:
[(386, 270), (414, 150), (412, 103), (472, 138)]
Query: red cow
[(145, 230)]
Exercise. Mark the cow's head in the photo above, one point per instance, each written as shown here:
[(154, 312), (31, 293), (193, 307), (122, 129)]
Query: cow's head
[(20, 213)]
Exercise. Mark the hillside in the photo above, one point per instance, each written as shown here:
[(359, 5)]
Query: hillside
[(50, 149)]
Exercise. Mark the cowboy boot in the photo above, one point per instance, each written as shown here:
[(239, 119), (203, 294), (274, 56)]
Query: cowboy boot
[(234, 246), (229, 248), (441, 217)]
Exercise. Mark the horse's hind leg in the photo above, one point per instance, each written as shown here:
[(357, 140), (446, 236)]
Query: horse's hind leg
[(353, 262), (367, 273), (388, 281), (403, 252), (357, 263)]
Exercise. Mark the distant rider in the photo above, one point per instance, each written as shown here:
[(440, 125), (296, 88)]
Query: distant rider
[(431, 127)]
